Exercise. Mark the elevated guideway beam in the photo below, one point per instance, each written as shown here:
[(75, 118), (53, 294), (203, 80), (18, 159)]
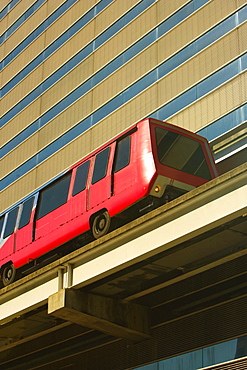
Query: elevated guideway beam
[(120, 319), (203, 209)]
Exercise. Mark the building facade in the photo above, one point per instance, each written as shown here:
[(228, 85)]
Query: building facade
[(76, 73)]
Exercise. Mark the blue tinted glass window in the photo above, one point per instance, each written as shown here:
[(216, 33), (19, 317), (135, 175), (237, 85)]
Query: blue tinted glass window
[(175, 19), (23, 18), (243, 61), (225, 123), (8, 8), (101, 5), (166, 111), (69, 33), (218, 78), (62, 9), (176, 60), (163, 113), (242, 15), (208, 356)]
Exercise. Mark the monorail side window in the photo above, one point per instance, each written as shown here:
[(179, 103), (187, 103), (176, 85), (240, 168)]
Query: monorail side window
[(1, 224), (53, 196), (100, 166), (122, 156), (81, 178), (11, 221), (26, 212), (181, 152)]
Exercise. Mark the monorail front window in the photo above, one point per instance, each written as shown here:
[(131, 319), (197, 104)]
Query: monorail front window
[(181, 152)]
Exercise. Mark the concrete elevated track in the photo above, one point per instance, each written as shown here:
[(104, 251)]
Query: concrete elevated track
[(179, 261)]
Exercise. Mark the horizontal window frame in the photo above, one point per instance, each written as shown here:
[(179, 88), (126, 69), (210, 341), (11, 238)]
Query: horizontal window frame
[(162, 113), (61, 40), (18, 22), (43, 27), (163, 69), (8, 8), (90, 83)]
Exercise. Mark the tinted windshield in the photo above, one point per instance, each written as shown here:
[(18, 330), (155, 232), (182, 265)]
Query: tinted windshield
[(181, 152)]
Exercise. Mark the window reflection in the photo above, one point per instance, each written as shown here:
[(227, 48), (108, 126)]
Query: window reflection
[(241, 350), (205, 357), (163, 113)]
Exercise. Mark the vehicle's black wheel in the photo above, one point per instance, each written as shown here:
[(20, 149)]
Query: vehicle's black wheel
[(9, 274), (101, 224)]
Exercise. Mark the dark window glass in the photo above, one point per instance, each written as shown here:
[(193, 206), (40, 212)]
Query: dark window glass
[(100, 166), (11, 221), (182, 153), (26, 212), (122, 156), (81, 178), (53, 196), (1, 224)]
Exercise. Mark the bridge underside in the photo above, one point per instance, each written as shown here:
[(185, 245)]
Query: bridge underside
[(170, 282)]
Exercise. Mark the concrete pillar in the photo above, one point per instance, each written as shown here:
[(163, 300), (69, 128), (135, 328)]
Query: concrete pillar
[(118, 318)]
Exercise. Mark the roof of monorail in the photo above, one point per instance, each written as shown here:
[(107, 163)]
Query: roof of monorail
[(196, 233)]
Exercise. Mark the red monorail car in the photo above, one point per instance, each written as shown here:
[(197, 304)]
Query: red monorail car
[(136, 169)]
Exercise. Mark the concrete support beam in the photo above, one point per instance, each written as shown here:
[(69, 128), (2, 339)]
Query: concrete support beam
[(120, 319)]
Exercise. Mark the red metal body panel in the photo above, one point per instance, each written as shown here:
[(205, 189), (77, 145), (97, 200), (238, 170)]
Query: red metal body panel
[(7, 247), (115, 192)]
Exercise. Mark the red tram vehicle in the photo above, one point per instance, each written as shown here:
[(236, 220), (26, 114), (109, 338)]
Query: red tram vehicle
[(149, 162)]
